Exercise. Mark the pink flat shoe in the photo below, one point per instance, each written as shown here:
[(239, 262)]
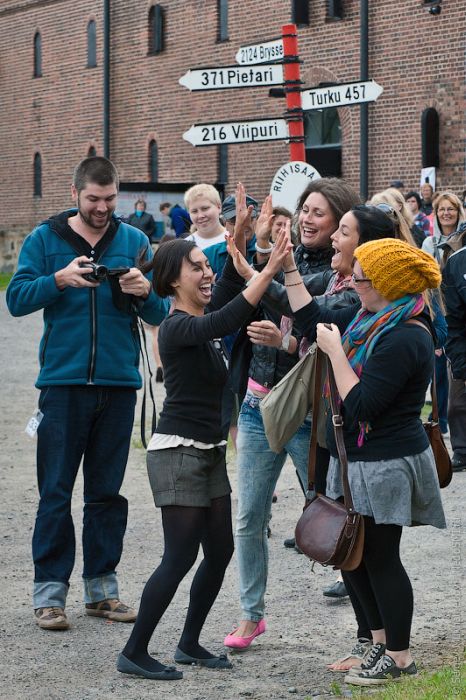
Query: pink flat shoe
[(243, 642)]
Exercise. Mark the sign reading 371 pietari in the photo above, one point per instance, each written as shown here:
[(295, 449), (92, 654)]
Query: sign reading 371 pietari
[(232, 77)]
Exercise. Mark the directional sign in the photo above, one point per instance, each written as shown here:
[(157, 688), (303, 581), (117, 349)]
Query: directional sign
[(232, 77), (237, 132), (340, 95), (260, 53)]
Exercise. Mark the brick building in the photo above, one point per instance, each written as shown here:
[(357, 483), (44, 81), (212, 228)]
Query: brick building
[(52, 87)]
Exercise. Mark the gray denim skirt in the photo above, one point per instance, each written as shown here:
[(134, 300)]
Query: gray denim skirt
[(187, 476)]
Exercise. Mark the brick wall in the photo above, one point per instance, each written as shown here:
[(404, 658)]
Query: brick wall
[(417, 58)]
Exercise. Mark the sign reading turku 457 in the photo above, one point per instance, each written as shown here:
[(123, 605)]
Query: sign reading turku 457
[(340, 95), (232, 77)]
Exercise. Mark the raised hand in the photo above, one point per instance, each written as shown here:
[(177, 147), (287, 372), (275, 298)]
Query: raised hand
[(242, 267), (280, 253), (243, 219), (264, 222)]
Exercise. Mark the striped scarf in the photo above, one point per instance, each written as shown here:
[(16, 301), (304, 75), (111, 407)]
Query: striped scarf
[(367, 328)]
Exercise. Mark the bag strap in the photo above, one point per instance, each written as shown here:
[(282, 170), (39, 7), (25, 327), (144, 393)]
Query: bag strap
[(337, 421), (311, 461), (146, 362), (413, 322)]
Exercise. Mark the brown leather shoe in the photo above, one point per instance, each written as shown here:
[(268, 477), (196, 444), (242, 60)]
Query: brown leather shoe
[(51, 618), (112, 609)]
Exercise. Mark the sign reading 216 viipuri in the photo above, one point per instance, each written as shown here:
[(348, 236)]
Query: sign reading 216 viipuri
[(237, 132)]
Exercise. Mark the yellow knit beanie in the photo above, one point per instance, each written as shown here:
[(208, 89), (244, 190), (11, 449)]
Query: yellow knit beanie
[(396, 268)]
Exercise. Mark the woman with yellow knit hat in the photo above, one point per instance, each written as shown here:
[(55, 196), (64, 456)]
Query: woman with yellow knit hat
[(383, 364)]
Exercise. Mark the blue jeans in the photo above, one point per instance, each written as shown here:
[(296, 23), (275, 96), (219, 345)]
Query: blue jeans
[(258, 471), (95, 423)]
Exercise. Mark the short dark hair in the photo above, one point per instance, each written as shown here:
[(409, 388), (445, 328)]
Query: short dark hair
[(140, 201), (338, 193), (282, 211), (95, 169), (166, 264), (416, 196), (164, 205), (373, 223)]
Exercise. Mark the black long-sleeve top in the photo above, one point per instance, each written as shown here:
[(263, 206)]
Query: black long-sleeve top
[(391, 389), (194, 369)]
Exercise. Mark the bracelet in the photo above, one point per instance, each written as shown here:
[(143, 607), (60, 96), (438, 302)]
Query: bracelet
[(295, 284), (251, 279), (288, 272), (264, 250)]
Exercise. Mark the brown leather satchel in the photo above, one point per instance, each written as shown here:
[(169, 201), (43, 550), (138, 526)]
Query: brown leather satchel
[(432, 428), (328, 531), (441, 454)]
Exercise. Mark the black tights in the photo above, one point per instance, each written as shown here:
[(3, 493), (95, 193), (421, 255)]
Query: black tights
[(380, 589), (185, 528)]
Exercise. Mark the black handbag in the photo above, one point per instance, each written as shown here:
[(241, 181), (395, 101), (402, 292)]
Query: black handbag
[(328, 531)]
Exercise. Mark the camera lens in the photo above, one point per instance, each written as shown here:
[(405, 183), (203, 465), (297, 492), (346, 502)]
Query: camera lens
[(100, 273)]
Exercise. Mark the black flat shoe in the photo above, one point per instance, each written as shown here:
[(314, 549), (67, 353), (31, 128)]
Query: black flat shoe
[(458, 463), (168, 673), (215, 662)]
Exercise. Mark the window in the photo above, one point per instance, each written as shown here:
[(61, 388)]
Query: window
[(91, 151), (430, 132), (37, 55), (37, 175), (322, 133), (156, 29), (222, 13), (300, 12), (91, 45), (334, 9), (223, 163), (153, 162)]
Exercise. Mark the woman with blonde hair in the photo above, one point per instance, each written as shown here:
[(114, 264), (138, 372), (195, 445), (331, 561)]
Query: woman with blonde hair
[(399, 211), (449, 216)]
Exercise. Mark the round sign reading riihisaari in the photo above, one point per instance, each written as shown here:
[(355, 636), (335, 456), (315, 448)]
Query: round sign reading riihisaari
[(289, 182)]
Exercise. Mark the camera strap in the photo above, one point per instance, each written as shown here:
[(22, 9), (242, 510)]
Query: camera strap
[(145, 363)]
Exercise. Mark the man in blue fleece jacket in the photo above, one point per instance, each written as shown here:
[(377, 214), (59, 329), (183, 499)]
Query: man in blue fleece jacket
[(89, 357)]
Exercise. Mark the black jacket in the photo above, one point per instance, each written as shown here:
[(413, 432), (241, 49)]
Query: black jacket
[(454, 291)]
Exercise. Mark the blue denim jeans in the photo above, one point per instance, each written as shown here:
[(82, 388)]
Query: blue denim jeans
[(92, 423), (258, 471)]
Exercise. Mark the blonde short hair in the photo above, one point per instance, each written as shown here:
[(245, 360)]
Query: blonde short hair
[(202, 190)]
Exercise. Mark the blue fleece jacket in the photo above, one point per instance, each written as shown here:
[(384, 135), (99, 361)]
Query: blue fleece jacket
[(86, 339)]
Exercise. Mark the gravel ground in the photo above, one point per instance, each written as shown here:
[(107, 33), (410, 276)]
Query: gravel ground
[(305, 630)]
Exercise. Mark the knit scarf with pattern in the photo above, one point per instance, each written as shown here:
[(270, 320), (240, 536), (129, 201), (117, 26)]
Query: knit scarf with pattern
[(367, 328)]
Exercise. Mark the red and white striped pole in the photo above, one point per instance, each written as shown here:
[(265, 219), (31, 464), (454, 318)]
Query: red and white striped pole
[(292, 83)]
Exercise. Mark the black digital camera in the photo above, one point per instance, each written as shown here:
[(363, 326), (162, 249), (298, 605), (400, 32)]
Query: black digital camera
[(100, 273)]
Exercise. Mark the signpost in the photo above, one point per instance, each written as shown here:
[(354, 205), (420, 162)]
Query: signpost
[(260, 53), (340, 95), (256, 69), (237, 132), (232, 77)]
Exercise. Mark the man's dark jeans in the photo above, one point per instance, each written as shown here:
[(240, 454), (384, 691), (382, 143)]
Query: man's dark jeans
[(94, 422)]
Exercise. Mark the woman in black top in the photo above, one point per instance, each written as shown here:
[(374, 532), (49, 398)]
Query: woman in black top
[(186, 457), (382, 364)]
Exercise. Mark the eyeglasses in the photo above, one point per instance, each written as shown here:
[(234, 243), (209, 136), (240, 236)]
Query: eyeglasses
[(447, 210), (360, 280)]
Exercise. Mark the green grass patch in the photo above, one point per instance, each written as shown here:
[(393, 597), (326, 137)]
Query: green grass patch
[(447, 684), (5, 278)]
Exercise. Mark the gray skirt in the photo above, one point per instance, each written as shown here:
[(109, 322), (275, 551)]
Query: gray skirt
[(187, 476), (400, 491)]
